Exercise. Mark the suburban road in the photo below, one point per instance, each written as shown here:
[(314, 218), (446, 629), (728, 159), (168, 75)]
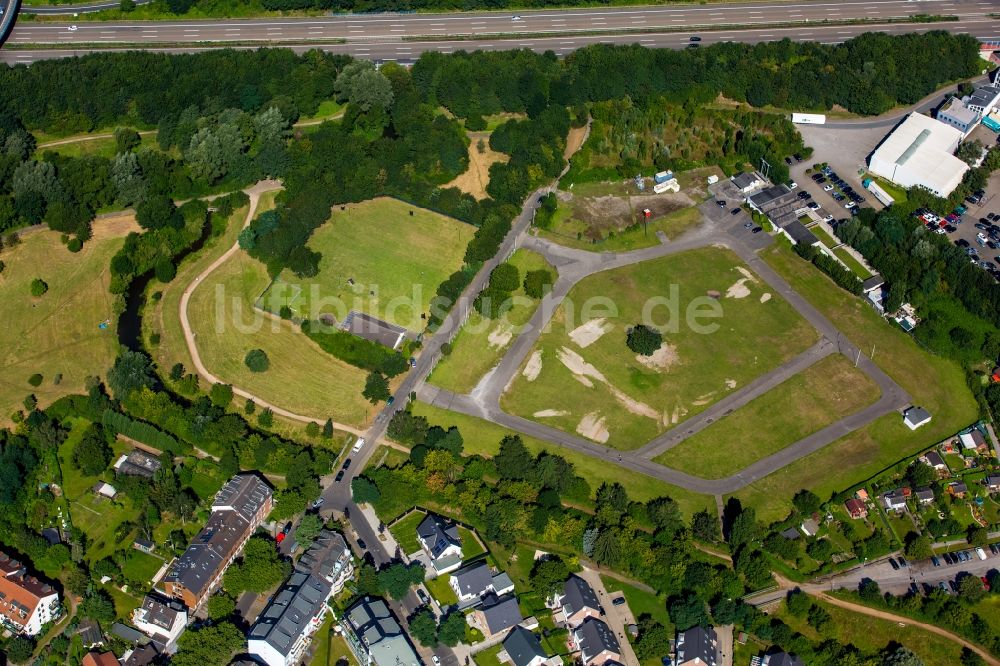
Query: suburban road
[(403, 37)]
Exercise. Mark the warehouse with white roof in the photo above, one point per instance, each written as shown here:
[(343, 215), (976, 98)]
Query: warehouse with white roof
[(920, 152)]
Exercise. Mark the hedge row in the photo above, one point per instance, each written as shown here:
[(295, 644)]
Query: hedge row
[(359, 352), (142, 432)]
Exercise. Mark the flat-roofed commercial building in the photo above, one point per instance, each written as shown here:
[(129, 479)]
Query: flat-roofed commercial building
[(920, 153)]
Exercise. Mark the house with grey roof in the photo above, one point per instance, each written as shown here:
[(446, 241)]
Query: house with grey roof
[(283, 631), (473, 582), (925, 495), (330, 558), (934, 459), (497, 614), (697, 647), (163, 620), (596, 643), (237, 511), (138, 463), (914, 417), (439, 539), (522, 648), (993, 482), (375, 635), (575, 603), (748, 182)]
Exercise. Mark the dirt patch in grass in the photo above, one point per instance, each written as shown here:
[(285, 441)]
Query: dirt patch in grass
[(592, 427), (477, 176), (661, 359), (578, 366), (738, 289), (574, 140), (589, 333), (534, 366), (764, 298), (500, 337), (549, 413)]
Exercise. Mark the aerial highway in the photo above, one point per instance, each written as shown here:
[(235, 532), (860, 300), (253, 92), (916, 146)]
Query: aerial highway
[(189, 37), (8, 14)]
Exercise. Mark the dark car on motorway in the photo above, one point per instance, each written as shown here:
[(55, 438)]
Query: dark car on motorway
[(694, 38)]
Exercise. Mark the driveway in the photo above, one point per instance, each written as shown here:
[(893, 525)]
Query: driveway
[(617, 617)]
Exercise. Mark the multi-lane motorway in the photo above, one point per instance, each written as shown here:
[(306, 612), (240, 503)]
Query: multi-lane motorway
[(404, 36)]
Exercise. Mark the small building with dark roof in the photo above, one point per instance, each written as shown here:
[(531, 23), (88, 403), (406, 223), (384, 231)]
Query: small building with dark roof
[(781, 659), (522, 648), (577, 602), (138, 463), (374, 630), (798, 234), (497, 614), (162, 619), (697, 647), (439, 539), (597, 643)]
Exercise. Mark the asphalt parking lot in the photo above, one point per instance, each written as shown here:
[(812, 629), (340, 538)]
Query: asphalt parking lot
[(724, 219)]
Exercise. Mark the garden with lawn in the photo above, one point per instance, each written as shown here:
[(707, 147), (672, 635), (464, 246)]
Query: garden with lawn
[(405, 531), (440, 589), (481, 342), (811, 400), (383, 257), (582, 377), (50, 343)]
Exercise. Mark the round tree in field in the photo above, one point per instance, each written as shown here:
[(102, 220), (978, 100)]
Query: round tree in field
[(643, 340), (257, 360), (38, 287)]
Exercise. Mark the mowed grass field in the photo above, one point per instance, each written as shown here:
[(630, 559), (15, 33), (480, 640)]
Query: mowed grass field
[(800, 406), (481, 343), (57, 333), (301, 378), (396, 260), (483, 438), (592, 384), (100, 146), (934, 383)]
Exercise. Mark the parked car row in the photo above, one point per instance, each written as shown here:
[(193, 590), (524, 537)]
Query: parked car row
[(838, 188)]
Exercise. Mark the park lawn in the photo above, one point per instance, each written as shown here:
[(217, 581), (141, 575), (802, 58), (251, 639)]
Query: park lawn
[(481, 342), (302, 377), (471, 548), (125, 602), (939, 387), (488, 657), (58, 334), (98, 146), (871, 634), (632, 402), (440, 589), (811, 400), (326, 110), (565, 229), (141, 567), (639, 601), (396, 260), (989, 608), (853, 264), (405, 532), (483, 438)]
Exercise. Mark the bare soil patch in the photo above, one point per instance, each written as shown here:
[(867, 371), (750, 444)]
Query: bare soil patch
[(589, 333), (550, 413), (115, 225), (764, 298), (738, 289), (574, 140), (661, 359), (533, 366), (500, 336), (578, 366), (477, 176), (592, 427)]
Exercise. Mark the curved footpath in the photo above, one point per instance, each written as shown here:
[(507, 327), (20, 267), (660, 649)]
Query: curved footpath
[(189, 336)]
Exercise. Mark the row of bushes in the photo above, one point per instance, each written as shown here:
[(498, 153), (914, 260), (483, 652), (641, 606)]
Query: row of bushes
[(843, 277), (359, 352), (142, 432)]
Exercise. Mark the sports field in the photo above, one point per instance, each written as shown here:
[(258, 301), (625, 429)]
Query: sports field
[(483, 438), (376, 258), (800, 406), (581, 377), (59, 334), (481, 343), (939, 386)]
